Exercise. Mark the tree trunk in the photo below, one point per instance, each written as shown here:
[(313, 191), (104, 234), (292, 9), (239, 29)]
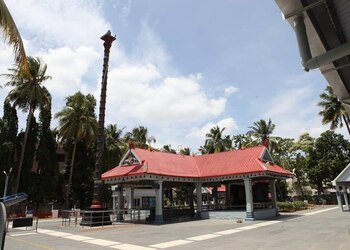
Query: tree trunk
[(23, 148), (346, 121), (70, 174)]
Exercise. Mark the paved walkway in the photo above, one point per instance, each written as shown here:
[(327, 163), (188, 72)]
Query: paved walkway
[(320, 228)]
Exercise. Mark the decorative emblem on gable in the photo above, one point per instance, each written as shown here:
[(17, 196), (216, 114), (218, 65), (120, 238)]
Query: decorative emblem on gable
[(130, 159), (266, 156)]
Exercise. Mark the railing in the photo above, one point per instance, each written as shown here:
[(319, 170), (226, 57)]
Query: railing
[(93, 218), (256, 205)]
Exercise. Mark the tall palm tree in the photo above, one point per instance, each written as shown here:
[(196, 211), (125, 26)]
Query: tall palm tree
[(216, 141), (77, 123), (139, 136), (115, 145), (13, 38), (185, 151), (28, 94), (333, 111), (261, 131)]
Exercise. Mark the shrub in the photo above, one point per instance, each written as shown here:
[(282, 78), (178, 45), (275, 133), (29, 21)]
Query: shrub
[(291, 206)]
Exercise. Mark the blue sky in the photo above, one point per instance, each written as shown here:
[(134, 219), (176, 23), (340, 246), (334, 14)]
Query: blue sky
[(177, 67)]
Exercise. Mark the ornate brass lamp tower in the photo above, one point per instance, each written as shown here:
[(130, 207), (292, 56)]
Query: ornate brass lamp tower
[(99, 218)]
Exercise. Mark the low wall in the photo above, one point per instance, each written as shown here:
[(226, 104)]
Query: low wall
[(259, 214)]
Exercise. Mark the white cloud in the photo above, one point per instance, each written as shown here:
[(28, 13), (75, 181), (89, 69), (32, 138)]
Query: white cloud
[(143, 88), (198, 134), (67, 67), (230, 90), (140, 91), (294, 109), (62, 23), (149, 49)]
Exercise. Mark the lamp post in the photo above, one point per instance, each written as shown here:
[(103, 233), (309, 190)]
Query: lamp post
[(108, 40), (7, 174)]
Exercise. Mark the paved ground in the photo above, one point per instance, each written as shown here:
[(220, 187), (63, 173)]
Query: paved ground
[(319, 228)]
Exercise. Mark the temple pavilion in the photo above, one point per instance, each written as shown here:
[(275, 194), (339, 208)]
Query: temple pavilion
[(249, 176)]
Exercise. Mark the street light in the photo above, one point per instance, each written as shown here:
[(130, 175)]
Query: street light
[(7, 174)]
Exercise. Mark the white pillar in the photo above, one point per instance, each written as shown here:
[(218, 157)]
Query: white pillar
[(346, 199), (199, 200), (273, 195), (159, 202), (338, 193), (114, 202), (249, 199), (131, 199), (120, 216)]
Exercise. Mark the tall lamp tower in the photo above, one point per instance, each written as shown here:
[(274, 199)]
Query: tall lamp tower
[(108, 40), (96, 217)]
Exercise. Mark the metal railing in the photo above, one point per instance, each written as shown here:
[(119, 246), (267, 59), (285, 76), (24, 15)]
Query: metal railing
[(93, 218)]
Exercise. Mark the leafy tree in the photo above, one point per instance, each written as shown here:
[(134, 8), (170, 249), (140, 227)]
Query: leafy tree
[(8, 138), (168, 149), (185, 151), (216, 141), (242, 141), (13, 38), (47, 172), (139, 136), (329, 157), (261, 131), (27, 184), (115, 145), (28, 94), (333, 111), (82, 180), (77, 123)]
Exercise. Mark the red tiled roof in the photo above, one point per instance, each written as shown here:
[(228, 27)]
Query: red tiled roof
[(234, 162)]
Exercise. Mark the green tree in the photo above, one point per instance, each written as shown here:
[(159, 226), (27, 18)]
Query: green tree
[(140, 137), (242, 141), (8, 138), (77, 123), (185, 151), (168, 149), (13, 38), (28, 94), (261, 131), (115, 145), (329, 157), (216, 141), (47, 172), (333, 111), (29, 165)]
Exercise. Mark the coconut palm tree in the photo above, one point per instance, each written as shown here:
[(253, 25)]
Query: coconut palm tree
[(13, 38), (216, 141), (139, 136), (261, 131), (333, 111), (185, 151), (28, 94), (115, 145), (77, 123)]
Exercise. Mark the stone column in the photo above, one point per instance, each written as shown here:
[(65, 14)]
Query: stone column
[(199, 200), (346, 198), (273, 195), (249, 199), (119, 191), (228, 196), (338, 193), (131, 199), (159, 202)]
